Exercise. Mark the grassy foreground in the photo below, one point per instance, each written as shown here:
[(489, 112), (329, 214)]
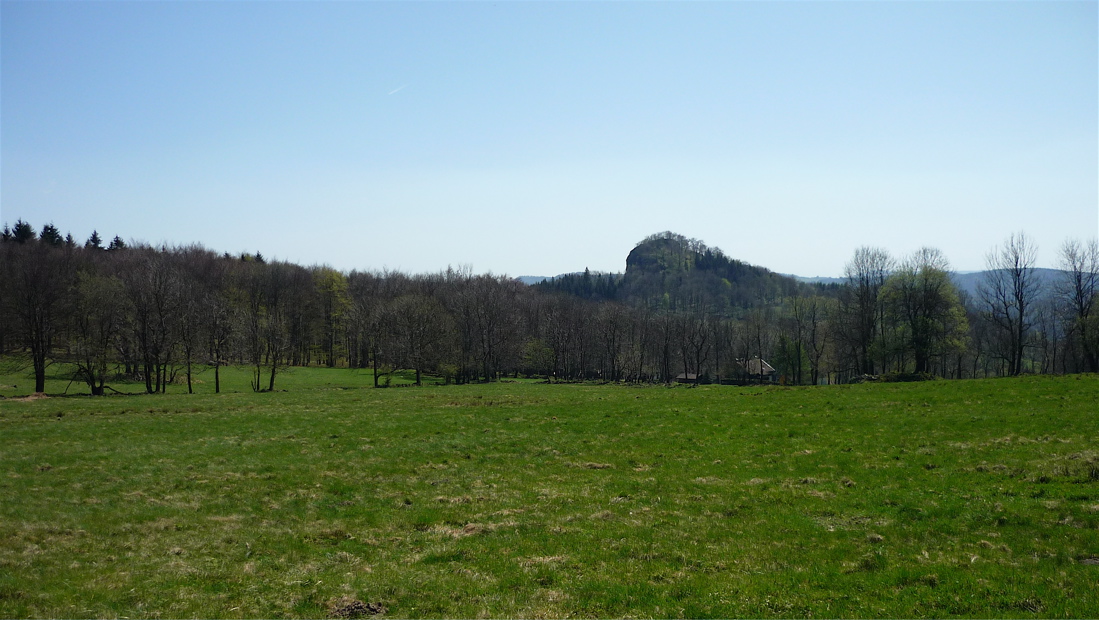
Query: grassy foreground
[(964, 498)]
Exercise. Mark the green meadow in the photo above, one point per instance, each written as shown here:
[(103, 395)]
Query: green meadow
[(523, 499)]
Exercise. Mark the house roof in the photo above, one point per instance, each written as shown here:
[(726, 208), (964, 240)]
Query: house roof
[(757, 366)]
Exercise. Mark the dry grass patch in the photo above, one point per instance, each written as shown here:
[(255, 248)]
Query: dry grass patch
[(597, 466), (469, 529), (461, 499), (543, 560)]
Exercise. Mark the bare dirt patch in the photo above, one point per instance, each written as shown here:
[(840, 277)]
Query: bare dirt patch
[(347, 607)]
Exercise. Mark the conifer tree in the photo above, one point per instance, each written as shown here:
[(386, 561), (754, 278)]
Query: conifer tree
[(51, 235), (94, 242), (23, 232)]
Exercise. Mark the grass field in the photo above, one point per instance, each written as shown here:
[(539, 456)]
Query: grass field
[(963, 498), (60, 382)]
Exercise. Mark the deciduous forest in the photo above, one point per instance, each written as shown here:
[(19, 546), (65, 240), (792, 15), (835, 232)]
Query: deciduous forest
[(681, 311)]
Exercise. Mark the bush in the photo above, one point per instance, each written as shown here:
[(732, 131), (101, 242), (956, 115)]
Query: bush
[(905, 377)]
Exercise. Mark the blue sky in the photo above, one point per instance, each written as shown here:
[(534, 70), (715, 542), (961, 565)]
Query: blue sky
[(546, 137)]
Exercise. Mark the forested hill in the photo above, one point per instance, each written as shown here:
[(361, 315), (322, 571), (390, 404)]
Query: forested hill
[(668, 270)]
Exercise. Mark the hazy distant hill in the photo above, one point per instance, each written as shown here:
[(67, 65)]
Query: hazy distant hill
[(816, 279), (968, 281), (533, 279), (965, 281)]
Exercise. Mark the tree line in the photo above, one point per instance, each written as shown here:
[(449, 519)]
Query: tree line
[(160, 315)]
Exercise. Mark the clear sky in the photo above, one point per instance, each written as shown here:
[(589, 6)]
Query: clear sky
[(538, 138)]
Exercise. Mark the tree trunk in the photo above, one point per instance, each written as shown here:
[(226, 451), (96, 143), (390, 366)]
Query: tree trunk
[(149, 378), (375, 360)]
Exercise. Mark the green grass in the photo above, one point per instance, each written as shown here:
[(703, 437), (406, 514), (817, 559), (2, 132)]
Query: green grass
[(963, 498), (16, 381)]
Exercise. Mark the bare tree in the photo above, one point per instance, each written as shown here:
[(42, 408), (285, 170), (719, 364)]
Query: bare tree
[(1077, 290), (98, 316), (423, 329), (612, 322), (815, 312), (860, 302), (721, 334), (197, 269), (37, 298), (284, 287), (220, 318), (493, 313), (1009, 291), (218, 313), (331, 288), (370, 296), (799, 308), (153, 289), (758, 340), (265, 327), (666, 334), (694, 332)]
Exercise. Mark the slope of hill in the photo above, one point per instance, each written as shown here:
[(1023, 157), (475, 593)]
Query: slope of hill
[(677, 270), (669, 270), (970, 281), (967, 281)]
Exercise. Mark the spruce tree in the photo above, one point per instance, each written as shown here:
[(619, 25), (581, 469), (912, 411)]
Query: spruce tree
[(94, 242), (51, 235), (23, 232)]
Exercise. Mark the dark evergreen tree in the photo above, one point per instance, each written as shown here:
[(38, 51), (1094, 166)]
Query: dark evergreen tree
[(23, 232), (51, 235), (94, 242), (117, 244)]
